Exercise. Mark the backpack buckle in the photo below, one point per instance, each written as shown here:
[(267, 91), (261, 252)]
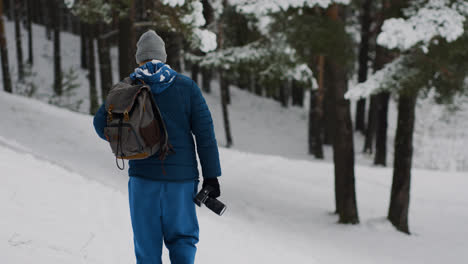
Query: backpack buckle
[(126, 116)]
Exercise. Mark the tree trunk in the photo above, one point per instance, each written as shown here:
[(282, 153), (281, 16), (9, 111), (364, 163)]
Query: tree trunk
[(54, 9), (127, 42), (343, 148), (381, 131), (371, 126), (224, 86), (224, 104), (93, 98), (84, 48), (4, 54), (400, 195), (30, 36), (315, 129), (173, 48), (316, 113), (19, 45), (297, 91), (284, 94), (195, 70), (105, 64), (49, 17), (363, 61), (206, 80)]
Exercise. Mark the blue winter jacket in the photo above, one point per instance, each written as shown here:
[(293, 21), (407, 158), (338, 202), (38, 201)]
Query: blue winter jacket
[(184, 112)]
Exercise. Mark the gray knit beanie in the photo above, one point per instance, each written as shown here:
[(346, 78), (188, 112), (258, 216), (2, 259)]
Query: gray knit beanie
[(150, 46)]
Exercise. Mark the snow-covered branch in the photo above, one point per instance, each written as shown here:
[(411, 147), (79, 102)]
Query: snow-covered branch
[(436, 18), (390, 78)]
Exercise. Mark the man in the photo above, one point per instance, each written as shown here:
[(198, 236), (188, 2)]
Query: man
[(161, 192)]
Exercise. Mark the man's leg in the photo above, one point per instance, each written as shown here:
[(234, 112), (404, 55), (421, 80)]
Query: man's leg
[(180, 223), (145, 211)]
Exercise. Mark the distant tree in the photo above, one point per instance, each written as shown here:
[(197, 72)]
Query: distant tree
[(84, 46), (30, 17), (4, 54), (55, 7), (366, 21), (223, 84), (105, 64), (19, 46), (93, 98)]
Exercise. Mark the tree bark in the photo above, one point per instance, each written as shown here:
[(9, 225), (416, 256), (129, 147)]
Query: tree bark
[(380, 158), (4, 54), (297, 91), (195, 70), (371, 126), (30, 36), (224, 104), (315, 129), (224, 85), (316, 113), (93, 98), (54, 9), (343, 148), (18, 39), (206, 80), (49, 17), (400, 195), (105, 64), (363, 61), (84, 48), (126, 42), (284, 94)]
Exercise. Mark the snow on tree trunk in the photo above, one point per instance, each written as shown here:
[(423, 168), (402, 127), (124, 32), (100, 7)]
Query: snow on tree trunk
[(55, 10), (400, 194), (18, 40), (4, 54), (105, 64)]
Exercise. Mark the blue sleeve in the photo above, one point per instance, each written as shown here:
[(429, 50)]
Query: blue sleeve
[(100, 121), (202, 128)]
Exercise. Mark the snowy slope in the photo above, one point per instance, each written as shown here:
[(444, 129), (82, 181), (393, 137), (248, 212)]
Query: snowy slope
[(260, 125), (64, 201)]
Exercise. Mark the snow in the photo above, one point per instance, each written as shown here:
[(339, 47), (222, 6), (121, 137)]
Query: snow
[(63, 201), (437, 18), (205, 39)]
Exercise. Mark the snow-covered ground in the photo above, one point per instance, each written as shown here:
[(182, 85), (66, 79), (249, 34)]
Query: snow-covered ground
[(64, 201)]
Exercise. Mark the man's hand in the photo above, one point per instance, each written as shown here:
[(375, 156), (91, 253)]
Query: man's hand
[(214, 183)]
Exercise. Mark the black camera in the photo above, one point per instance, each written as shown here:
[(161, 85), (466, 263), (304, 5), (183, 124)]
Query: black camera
[(212, 203)]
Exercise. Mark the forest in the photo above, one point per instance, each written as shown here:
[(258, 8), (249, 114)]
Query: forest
[(343, 61)]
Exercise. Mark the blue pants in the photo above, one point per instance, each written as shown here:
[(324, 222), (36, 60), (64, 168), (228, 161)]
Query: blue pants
[(163, 211)]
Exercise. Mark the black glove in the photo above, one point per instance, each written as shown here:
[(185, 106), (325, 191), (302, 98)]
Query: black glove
[(213, 183)]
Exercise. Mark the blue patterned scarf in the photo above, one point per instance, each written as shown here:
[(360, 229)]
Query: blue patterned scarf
[(157, 75)]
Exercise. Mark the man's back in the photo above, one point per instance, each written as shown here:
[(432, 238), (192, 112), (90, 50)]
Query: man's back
[(184, 112)]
